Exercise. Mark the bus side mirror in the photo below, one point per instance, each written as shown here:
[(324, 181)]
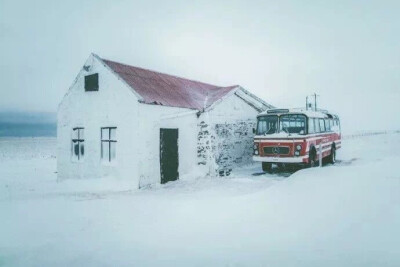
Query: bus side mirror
[(254, 130)]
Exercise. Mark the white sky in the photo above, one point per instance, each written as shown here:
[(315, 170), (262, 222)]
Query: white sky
[(346, 51)]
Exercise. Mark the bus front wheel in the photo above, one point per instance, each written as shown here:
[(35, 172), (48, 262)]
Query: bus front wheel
[(332, 156), (311, 159), (266, 167)]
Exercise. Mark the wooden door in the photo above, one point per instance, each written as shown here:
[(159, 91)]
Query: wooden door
[(169, 156)]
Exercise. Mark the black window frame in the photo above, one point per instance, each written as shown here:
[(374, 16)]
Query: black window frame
[(92, 82), (109, 141), (80, 141)]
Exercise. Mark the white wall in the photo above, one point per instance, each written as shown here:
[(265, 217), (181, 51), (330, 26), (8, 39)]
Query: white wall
[(232, 109), (229, 135), (113, 105), (156, 117)]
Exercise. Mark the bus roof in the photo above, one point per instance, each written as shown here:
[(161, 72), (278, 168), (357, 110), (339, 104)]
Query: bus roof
[(309, 113)]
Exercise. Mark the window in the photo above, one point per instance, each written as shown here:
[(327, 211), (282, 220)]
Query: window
[(92, 82), (267, 124), (78, 141), (311, 128), (338, 124), (292, 124), (108, 143), (328, 125), (316, 125), (322, 125)]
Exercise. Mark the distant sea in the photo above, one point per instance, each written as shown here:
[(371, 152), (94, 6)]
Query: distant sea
[(28, 129), (27, 124)]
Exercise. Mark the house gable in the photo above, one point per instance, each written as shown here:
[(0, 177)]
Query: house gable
[(108, 103), (108, 82), (246, 97)]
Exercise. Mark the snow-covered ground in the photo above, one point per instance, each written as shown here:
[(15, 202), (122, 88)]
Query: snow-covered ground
[(342, 215)]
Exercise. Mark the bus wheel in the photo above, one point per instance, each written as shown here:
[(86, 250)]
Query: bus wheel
[(311, 159), (266, 167), (332, 156)]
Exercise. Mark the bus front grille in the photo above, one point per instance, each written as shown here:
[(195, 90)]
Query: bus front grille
[(276, 150)]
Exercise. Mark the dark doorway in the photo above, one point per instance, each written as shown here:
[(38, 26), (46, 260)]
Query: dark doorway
[(169, 157)]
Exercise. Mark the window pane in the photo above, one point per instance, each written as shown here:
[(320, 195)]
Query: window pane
[(92, 82), (105, 134), (105, 152), (316, 124), (292, 124), (327, 125), (113, 132), (112, 150), (75, 134), (267, 124), (322, 125), (81, 133), (82, 148), (75, 150), (310, 126)]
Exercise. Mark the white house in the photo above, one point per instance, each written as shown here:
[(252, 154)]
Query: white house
[(132, 123)]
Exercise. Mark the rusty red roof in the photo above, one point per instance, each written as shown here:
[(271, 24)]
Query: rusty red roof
[(168, 90)]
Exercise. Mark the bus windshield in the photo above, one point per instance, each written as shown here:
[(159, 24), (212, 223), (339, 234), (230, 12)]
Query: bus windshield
[(292, 124), (267, 124)]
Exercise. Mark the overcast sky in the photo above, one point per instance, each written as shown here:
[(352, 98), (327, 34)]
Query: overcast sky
[(346, 51)]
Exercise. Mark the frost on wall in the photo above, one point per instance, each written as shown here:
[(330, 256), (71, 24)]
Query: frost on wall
[(234, 143), (205, 143), (230, 143)]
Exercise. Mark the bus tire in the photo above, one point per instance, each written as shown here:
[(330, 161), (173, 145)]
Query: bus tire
[(266, 167), (311, 158), (332, 156)]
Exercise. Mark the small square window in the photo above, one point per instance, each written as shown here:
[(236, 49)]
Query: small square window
[(92, 82)]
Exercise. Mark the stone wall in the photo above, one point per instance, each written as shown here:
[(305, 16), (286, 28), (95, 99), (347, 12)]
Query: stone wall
[(234, 142), (225, 145)]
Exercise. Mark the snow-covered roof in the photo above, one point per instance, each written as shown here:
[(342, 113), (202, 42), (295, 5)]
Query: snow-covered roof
[(168, 90), (308, 113)]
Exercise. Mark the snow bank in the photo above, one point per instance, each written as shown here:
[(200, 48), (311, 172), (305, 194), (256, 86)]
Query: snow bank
[(342, 215)]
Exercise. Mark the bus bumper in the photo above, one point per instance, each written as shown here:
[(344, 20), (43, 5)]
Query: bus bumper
[(302, 159)]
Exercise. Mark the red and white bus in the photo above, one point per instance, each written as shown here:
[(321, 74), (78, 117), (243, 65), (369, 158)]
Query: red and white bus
[(296, 136)]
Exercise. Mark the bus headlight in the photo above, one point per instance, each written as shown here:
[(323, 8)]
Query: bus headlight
[(298, 147), (255, 152), (297, 153)]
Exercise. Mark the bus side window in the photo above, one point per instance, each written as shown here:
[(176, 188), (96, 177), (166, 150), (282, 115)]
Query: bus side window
[(316, 125), (322, 125), (311, 128), (328, 125)]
